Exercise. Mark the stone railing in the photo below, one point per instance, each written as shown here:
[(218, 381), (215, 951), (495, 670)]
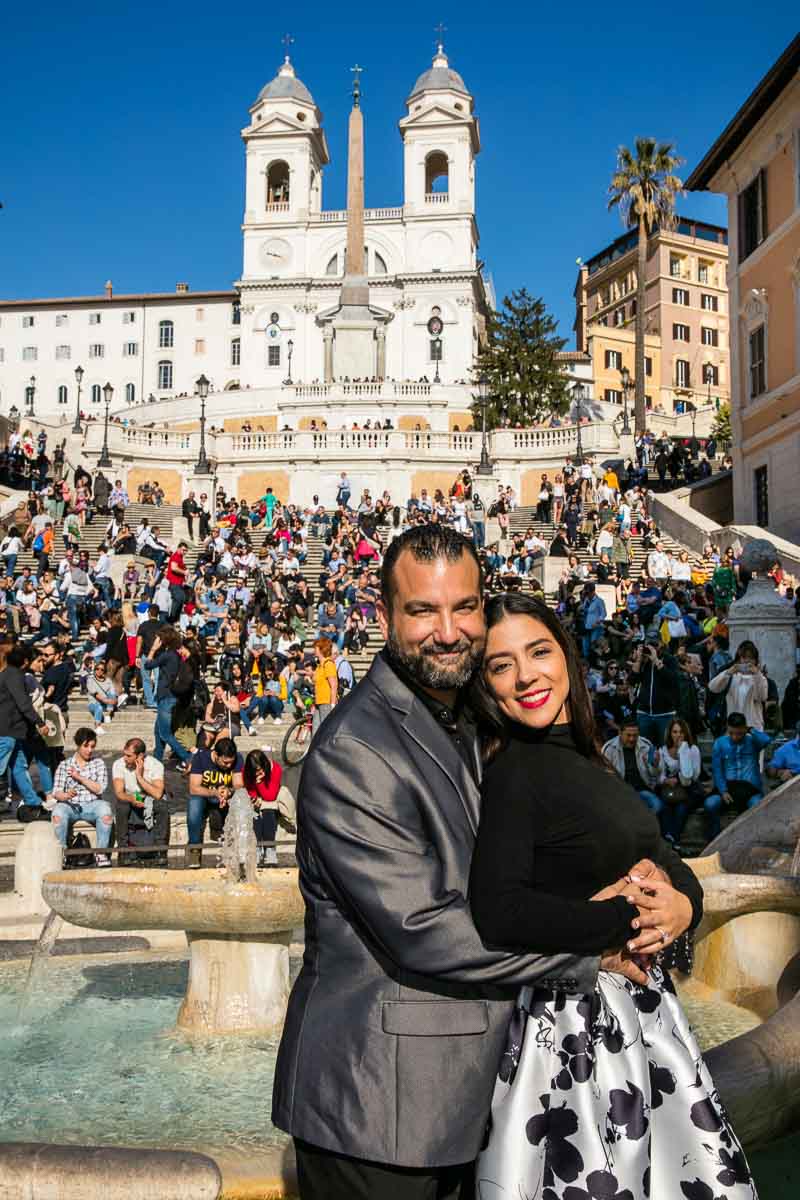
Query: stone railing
[(336, 215), (436, 197), (598, 437), (277, 206)]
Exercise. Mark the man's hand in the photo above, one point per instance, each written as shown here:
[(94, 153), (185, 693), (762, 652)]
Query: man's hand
[(663, 915), (620, 962), (727, 798)]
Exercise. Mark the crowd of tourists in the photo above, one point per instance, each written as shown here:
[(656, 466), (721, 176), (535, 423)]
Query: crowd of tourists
[(241, 638)]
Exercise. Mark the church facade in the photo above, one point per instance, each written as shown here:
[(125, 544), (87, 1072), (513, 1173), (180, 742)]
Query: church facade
[(280, 339)]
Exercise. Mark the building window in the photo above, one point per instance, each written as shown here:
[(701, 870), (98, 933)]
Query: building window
[(709, 303), (711, 374), (236, 313), (333, 265), (619, 316), (128, 318), (96, 393), (61, 319), (613, 396), (435, 350), (278, 183), (680, 333), (130, 349), (380, 267), (761, 489), (753, 216), (648, 365), (29, 354), (130, 393), (680, 296), (200, 314), (675, 266), (236, 352), (62, 394), (703, 273), (199, 345), (758, 362), (62, 352), (437, 174), (613, 360), (2, 354), (273, 356), (95, 318), (682, 379), (166, 335), (28, 322), (708, 336), (96, 350), (165, 375), (30, 393)]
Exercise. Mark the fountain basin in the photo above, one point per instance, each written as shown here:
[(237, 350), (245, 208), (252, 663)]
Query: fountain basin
[(238, 935)]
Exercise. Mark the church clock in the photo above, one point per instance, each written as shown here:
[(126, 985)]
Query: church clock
[(276, 254)]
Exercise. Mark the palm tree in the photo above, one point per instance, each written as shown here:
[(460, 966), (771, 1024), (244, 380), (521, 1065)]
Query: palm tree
[(644, 188)]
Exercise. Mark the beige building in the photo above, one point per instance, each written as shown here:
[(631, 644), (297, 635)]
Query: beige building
[(686, 319), (756, 163)]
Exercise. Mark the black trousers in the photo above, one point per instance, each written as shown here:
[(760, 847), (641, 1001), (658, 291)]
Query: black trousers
[(325, 1175)]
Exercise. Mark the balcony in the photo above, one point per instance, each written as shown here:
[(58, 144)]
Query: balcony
[(436, 197)]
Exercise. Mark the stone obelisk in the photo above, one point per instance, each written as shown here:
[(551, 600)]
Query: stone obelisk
[(354, 287)]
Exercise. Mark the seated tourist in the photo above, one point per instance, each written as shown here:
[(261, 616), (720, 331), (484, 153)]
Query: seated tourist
[(736, 770), (215, 775), (138, 782), (103, 699), (262, 779), (78, 789), (785, 764), (637, 761)]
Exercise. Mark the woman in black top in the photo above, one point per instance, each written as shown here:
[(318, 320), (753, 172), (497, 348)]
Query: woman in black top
[(610, 1094)]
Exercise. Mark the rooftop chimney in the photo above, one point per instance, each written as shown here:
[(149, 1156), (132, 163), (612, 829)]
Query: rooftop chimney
[(181, 288), (109, 289)]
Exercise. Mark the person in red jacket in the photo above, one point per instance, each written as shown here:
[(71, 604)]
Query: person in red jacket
[(262, 779)]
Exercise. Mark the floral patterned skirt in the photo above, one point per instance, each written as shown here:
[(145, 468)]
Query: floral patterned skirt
[(607, 1097)]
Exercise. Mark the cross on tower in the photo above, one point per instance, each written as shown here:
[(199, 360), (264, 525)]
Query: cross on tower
[(440, 31), (356, 84), (287, 40)]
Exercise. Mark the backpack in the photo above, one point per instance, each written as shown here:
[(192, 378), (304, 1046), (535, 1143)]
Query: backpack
[(201, 698), (184, 680), (79, 841), (38, 543)]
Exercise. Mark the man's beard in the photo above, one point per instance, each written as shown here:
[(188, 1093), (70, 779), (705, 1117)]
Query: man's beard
[(421, 665)]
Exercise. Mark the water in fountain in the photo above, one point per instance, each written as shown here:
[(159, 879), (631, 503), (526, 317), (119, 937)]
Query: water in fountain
[(41, 953), (239, 847)]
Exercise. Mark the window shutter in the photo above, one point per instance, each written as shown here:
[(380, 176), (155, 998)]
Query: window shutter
[(608, 359), (762, 205)]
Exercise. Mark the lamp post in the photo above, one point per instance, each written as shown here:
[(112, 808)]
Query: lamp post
[(627, 385), (695, 446), (437, 351), (578, 393), (105, 458), (709, 370), (13, 416), (76, 428), (290, 348), (202, 466), (485, 467), (30, 393)]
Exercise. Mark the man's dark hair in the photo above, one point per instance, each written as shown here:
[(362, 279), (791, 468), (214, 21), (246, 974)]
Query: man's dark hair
[(225, 747), (18, 656), (427, 543), (737, 721), (84, 735), (136, 745), (629, 723)]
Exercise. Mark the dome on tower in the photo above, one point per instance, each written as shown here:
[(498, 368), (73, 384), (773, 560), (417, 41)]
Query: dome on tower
[(286, 86), (439, 77)]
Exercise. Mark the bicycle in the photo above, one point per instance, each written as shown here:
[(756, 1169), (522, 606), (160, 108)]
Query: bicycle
[(297, 739)]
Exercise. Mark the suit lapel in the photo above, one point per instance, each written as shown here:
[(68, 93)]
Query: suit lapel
[(421, 726)]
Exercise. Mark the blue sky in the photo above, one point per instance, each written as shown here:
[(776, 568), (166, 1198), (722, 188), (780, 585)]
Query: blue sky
[(119, 124)]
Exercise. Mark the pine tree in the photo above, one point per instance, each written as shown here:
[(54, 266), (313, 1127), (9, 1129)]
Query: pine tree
[(526, 380)]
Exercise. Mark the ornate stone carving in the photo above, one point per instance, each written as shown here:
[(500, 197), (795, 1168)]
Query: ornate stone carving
[(404, 302), (464, 301), (306, 306)]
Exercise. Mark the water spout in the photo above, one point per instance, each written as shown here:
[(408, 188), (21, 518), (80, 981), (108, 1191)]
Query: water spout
[(41, 953), (239, 846)]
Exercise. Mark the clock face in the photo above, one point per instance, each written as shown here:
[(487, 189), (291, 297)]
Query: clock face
[(276, 254)]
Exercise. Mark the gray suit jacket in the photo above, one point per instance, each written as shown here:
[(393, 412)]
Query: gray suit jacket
[(398, 1018)]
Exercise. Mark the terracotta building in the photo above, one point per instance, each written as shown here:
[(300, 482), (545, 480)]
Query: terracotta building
[(686, 320), (756, 163)]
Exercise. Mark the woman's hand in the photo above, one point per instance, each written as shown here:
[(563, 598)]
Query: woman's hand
[(663, 915)]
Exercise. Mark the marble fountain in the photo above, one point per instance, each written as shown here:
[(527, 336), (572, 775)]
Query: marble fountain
[(157, 1058)]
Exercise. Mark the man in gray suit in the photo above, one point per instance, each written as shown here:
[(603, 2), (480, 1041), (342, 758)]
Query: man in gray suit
[(398, 1019)]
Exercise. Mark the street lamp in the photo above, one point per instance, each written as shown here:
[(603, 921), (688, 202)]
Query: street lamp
[(485, 467), (76, 428), (627, 387), (30, 393), (105, 458), (709, 370), (13, 415), (202, 466), (695, 446), (578, 394), (290, 348), (437, 355)]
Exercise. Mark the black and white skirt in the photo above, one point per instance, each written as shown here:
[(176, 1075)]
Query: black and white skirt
[(607, 1097)]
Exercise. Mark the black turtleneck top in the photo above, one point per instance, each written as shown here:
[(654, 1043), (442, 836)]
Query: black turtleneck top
[(555, 829)]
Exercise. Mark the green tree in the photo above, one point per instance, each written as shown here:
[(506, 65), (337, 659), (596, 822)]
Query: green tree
[(644, 188), (526, 380), (721, 429)]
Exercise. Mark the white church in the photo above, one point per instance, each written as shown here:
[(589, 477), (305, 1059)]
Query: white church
[(419, 262)]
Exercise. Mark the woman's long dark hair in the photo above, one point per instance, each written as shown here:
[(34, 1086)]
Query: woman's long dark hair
[(493, 726), (256, 759)]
